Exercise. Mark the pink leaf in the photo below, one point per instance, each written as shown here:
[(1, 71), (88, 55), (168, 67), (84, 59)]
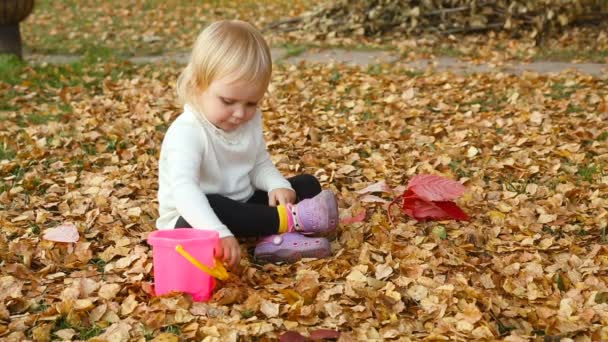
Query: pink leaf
[(321, 334), (64, 233), (376, 187), (423, 210), (435, 188), (358, 218)]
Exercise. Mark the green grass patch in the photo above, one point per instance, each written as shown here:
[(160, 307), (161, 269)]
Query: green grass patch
[(247, 313), (351, 47), (439, 51), (87, 333), (83, 34), (4, 187), (335, 77), (114, 144), (89, 148), (587, 172), (366, 116), (567, 55), (448, 52), (6, 152), (39, 307), (77, 164), (100, 264), (5, 105), (10, 69), (572, 108), (19, 81), (142, 28), (62, 323), (405, 132), (173, 329), (84, 333), (413, 73), (18, 172), (148, 333), (35, 229), (374, 69), (559, 90), (504, 329), (40, 119), (292, 50), (96, 53), (459, 169), (440, 232)]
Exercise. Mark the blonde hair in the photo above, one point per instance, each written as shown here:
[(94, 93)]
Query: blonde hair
[(228, 47)]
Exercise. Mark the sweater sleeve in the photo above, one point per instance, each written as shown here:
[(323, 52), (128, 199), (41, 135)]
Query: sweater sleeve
[(184, 152), (264, 175)]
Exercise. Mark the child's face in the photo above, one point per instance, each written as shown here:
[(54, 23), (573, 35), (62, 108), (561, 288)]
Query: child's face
[(228, 104)]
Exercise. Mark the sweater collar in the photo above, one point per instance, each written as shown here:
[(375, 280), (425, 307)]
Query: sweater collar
[(230, 138)]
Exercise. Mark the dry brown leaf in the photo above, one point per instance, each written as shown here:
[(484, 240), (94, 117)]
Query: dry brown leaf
[(109, 291), (530, 148), (269, 309), (166, 337)]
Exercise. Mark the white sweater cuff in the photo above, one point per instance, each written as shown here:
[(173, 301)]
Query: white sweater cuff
[(279, 184)]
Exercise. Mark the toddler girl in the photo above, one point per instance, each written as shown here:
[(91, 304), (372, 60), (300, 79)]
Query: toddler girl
[(214, 170)]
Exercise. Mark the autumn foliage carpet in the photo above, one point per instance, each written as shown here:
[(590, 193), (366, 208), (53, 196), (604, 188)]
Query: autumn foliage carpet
[(532, 262)]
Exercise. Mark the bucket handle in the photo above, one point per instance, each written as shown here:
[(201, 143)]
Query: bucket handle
[(217, 271)]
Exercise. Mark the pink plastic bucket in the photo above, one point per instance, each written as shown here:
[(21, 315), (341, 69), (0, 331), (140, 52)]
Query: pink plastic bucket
[(173, 272)]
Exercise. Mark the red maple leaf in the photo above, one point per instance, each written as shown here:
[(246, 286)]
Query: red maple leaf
[(435, 188), (428, 197)]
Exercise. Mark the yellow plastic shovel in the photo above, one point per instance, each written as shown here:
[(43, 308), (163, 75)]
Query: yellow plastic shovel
[(218, 271)]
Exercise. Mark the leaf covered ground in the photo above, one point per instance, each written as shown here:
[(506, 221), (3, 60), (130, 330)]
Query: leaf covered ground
[(79, 145), (156, 27), (141, 27), (532, 151)]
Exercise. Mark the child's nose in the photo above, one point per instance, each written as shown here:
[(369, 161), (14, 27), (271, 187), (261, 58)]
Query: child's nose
[(239, 113)]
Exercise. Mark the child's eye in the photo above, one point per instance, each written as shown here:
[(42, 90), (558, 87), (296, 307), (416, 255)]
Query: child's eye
[(226, 102)]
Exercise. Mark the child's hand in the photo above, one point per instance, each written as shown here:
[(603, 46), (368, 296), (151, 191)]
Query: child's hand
[(281, 196), (229, 252)]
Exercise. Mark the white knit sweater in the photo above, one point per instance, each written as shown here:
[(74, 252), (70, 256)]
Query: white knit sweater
[(197, 158)]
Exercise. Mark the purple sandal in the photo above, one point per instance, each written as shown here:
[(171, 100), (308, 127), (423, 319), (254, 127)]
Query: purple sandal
[(291, 247), (317, 215)]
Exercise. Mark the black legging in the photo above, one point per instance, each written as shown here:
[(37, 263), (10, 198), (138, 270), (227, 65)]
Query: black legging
[(255, 217)]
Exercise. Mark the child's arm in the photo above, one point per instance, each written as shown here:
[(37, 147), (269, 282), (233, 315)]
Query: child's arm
[(265, 175), (184, 150)]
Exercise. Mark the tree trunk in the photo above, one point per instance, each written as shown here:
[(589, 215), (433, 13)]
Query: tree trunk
[(10, 40), (11, 13)]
